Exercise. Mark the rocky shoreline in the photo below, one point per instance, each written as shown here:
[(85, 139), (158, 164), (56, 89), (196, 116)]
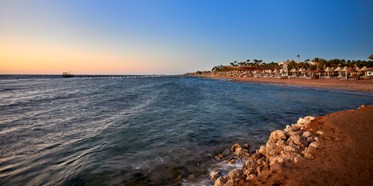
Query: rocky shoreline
[(295, 143), (328, 150)]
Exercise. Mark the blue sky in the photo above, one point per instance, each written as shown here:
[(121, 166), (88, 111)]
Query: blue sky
[(172, 37)]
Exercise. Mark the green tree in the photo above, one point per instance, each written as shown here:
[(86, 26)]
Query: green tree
[(371, 57)]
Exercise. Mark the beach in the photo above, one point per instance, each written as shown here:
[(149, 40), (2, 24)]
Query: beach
[(341, 156), (361, 85)]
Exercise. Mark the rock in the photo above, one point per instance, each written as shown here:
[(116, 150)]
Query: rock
[(232, 161), (235, 146), (295, 146), (289, 129), (238, 151), (297, 159), (246, 146), (308, 155), (266, 166), (247, 165), (307, 134), (235, 174), (289, 155), (320, 132), (257, 156), (250, 176), (241, 152), (249, 171), (215, 174), (276, 135), (276, 159), (317, 139), (252, 151), (298, 140), (289, 149), (262, 150), (220, 181), (296, 126), (221, 156), (305, 121), (217, 158), (230, 183), (259, 170), (310, 140), (314, 144)]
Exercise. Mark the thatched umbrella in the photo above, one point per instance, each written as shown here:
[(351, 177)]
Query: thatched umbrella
[(310, 71), (364, 69), (351, 70), (318, 70), (357, 69), (328, 70), (346, 70), (281, 71), (339, 69)]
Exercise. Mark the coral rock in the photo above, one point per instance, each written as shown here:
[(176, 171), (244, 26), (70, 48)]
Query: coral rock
[(299, 140), (257, 156), (310, 139), (251, 176), (235, 146), (214, 175), (307, 134), (220, 181), (314, 144), (235, 174), (277, 135)]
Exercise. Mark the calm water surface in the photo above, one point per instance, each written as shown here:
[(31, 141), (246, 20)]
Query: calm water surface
[(142, 131)]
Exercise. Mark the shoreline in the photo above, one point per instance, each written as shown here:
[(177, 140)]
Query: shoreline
[(334, 149), (360, 85)]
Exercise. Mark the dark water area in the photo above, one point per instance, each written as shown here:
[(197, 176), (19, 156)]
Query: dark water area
[(156, 131)]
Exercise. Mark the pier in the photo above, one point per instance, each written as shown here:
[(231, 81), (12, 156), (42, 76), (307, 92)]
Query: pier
[(132, 76)]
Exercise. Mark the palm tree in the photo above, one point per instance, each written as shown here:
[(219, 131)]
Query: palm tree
[(298, 56), (371, 57)]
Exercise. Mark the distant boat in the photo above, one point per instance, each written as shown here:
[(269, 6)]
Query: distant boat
[(67, 75)]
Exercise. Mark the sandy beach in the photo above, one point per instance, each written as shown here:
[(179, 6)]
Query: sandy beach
[(361, 85), (342, 155)]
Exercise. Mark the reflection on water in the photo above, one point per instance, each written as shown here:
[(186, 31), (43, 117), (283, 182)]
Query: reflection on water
[(141, 131)]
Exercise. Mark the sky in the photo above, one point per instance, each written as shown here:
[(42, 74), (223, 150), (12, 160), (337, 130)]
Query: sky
[(173, 37)]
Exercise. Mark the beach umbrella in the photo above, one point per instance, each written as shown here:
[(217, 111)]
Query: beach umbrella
[(328, 70), (338, 70), (351, 70), (309, 71), (364, 69), (304, 71), (318, 70), (345, 70)]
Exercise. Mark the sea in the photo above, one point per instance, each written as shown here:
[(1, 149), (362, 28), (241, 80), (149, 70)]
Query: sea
[(142, 131)]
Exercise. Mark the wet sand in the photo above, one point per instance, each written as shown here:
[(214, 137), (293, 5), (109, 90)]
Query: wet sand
[(344, 156), (361, 85)]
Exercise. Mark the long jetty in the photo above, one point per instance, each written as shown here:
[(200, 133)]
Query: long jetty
[(134, 76)]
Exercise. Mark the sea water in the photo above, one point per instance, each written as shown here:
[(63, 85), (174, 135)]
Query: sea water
[(141, 131)]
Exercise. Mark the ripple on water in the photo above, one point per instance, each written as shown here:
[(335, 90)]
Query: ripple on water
[(142, 131)]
